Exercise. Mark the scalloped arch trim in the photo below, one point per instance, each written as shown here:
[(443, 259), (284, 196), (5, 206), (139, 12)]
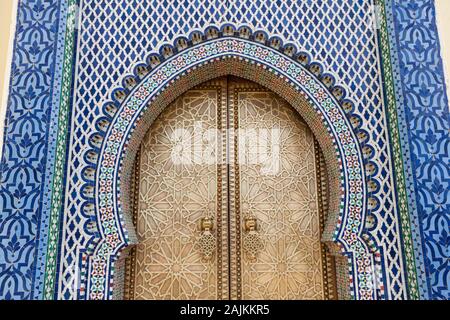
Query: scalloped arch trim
[(188, 62)]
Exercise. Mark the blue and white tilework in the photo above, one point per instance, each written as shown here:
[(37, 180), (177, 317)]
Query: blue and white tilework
[(424, 124), (29, 147)]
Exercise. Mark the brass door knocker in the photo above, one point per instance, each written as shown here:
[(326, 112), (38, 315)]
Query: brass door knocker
[(252, 242), (207, 240)]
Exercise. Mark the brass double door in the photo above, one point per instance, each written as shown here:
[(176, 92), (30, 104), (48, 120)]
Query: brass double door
[(231, 190)]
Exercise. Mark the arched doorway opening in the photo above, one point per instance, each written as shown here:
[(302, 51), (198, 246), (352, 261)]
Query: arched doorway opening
[(230, 200), (118, 135)]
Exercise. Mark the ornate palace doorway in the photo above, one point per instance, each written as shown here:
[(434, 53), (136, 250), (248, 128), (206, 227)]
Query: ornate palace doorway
[(230, 201)]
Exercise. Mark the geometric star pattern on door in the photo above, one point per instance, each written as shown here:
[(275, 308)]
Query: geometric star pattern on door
[(285, 204), (276, 183), (172, 199)]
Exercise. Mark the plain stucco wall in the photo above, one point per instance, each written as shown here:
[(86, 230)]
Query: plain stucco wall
[(8, 10), (5, 27), (443, 20)]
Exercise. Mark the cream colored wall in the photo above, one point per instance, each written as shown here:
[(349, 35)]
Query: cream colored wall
[(443, 21), (5, 27), (8, 9)]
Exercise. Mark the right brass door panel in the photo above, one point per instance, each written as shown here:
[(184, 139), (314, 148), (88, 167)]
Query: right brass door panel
[(277, 186)]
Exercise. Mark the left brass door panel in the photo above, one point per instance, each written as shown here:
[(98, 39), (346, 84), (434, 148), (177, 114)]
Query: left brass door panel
[(175, 194)]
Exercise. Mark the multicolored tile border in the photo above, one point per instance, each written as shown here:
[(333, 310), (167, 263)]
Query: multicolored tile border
[(59, 165), (29, 146), (397, 153), (424, 126)]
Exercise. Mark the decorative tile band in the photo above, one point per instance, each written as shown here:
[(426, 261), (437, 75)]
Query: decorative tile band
[(44, 233), (27, 148), (60, 165), (424, 124), (397, 154)]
